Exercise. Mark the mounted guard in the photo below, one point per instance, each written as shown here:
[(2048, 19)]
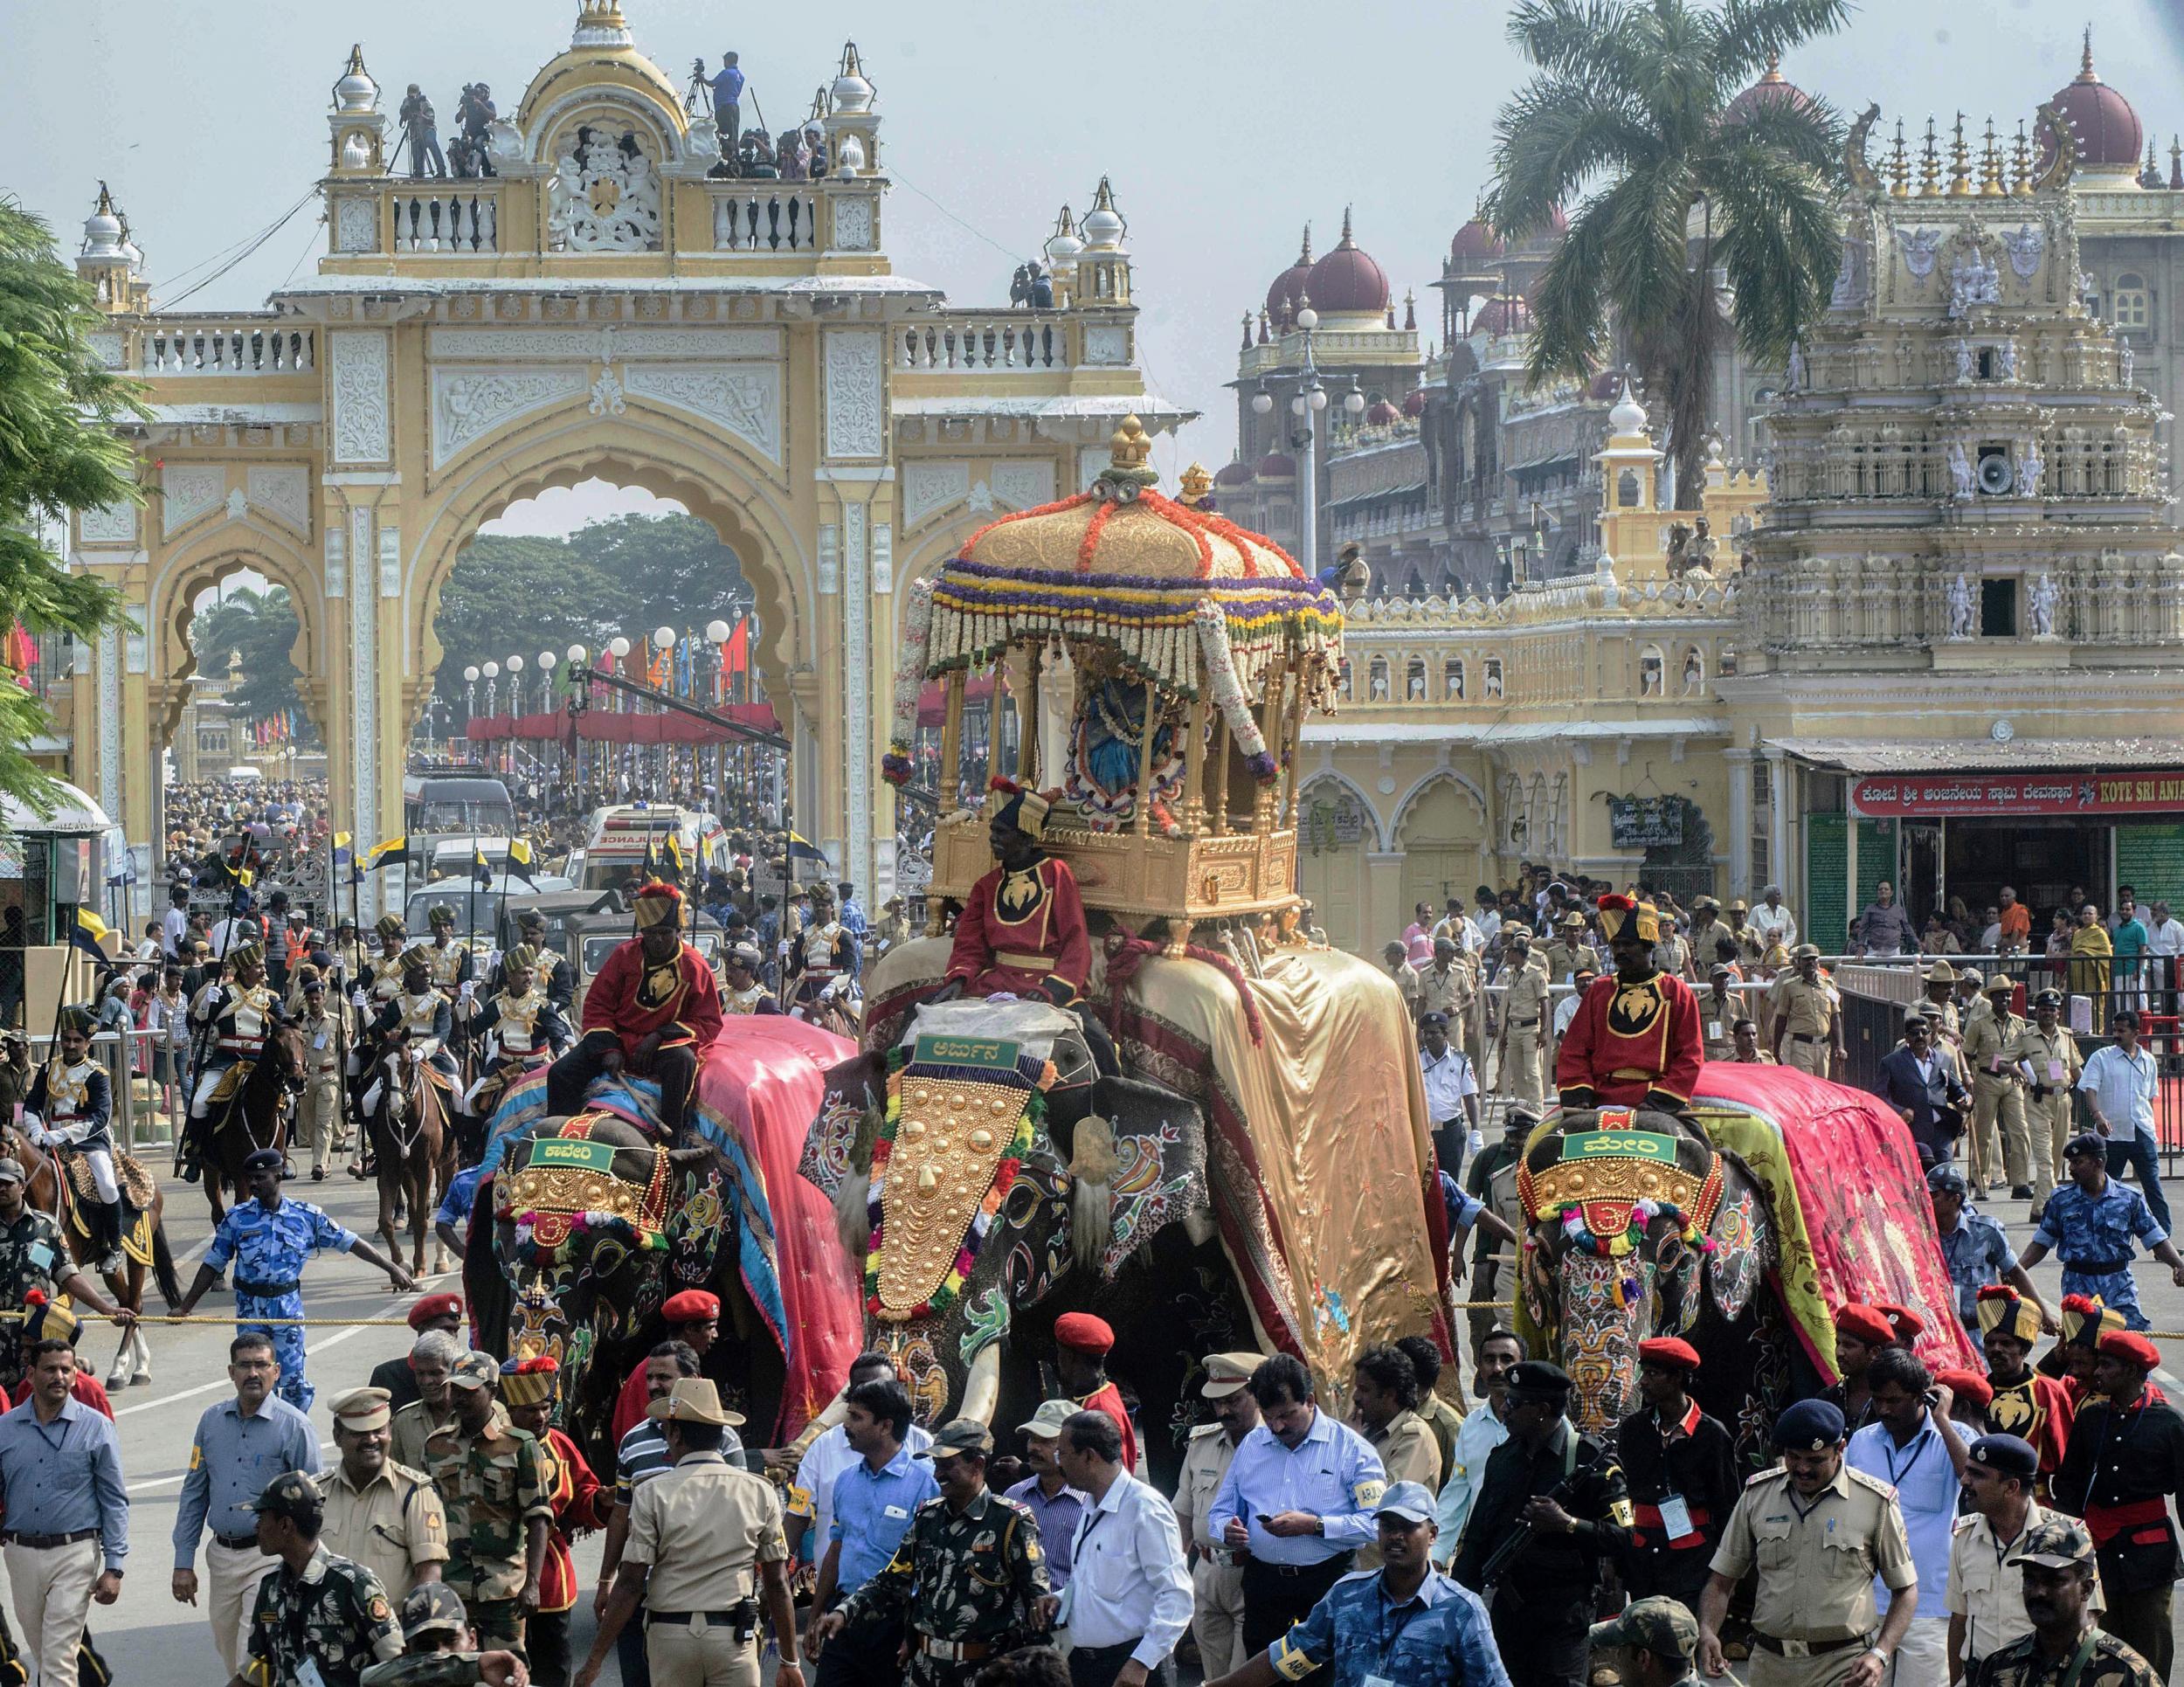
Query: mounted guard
[(240, 1016), (71, 1107)]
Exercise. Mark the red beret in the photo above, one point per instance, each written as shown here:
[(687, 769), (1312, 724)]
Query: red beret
[(1670, 1350), (1904, 1324), (691, 1306), (435, 1306), (1863, 1322), (1082, 1333), (1968, 1386), (2130, 1345)]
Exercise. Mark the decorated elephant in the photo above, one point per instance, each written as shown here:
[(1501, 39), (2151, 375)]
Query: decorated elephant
[(594, 1222), (1737, 1226)]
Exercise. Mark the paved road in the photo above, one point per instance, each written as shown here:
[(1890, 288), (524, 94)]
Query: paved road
[(147, 1637)]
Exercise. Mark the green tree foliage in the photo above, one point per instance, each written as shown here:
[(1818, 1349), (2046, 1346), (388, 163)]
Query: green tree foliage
[(261, 628), (1630, 109), (509, 596), (59, 452)]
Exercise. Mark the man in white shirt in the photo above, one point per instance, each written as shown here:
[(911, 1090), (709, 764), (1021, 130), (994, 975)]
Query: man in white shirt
[(1451, 1090), (1482, 1430), (2164, 943), (1486, 919), (1774, 921), (2118, 1084), (831, 1455), (174, 926), (1128, 1597)]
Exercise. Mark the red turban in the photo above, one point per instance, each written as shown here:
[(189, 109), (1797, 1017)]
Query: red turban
[(1865, 1323), (691, 1306), (1082, 1333), (2130, 1347), (435, 1306), (1670, 1350)]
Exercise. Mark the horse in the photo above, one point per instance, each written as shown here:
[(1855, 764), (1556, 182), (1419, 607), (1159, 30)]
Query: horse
[(415, 1142), (256, 1114), (43, 1189)]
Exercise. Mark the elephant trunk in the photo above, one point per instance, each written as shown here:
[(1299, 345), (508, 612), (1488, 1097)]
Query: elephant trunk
[(1607, 1309), (982, 1385)]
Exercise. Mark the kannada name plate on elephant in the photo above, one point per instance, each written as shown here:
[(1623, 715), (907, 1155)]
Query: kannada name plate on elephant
[(575, 1174)]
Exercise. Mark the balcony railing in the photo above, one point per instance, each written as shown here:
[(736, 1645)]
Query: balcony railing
[(992, 341), (232, 346)]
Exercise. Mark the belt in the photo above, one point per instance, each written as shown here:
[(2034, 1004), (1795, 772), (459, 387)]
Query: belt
[(952, 1651), (266, 1290), (237, 1543), (1023, 963), (2104, 1523), (2096, 1268), (686, 1617), (1293, 1570), (1522, 1025), (1808, 1647), (42, 1543), (1799, 1036), (2041, 1091), (1650, 1516)]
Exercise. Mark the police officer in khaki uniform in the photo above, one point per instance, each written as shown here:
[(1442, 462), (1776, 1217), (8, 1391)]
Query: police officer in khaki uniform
[(1569, 951), (1217, 1572), (1807, 1017), (705, 1552), (1707, 928), (1523, 1026), (325, 1049), (2046, 1059), (1998, 1094), (1719, 1009), (382, 1515), (1819, 1533)]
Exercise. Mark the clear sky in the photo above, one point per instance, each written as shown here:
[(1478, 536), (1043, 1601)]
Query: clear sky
[(1225, 125)]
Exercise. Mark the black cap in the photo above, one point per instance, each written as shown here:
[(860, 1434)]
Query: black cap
[(1539, 1377), (2010, 1455)]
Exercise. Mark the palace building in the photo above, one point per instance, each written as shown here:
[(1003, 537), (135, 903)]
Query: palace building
[(607, 298)]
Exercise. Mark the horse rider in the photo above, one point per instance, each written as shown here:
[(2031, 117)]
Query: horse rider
[(655, 1007), (415, 1024), (823, 952), (70, 1105), (741, 990), (451, 963), (378, 982), (550, 971), (243, 1013), (520, 1028)]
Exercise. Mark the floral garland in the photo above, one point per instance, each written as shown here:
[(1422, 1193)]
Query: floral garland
[(1580, 1235), (909, 680), (1228, 692), (951, 1288)]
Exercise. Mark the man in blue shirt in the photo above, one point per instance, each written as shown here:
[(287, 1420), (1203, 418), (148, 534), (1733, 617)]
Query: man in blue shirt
[(452, 1222), (873, 1501), (727, 95), (241, 1445), (67, 1512), (1047, 1493), (1298, 1500), (853, 914), (1973, 1246), (1406, 1622), (271, 1239), (2089, 1223), (1917, 1450)]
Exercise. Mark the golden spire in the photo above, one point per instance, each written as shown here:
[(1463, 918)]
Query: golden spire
[(1774, 68), (1346, 240), (1128, 448), (2086, 72), (1304, 252), (1899, 175), (1991, 184), (1196, 483), (1960, 163), (2021, 160), (1929, 164)]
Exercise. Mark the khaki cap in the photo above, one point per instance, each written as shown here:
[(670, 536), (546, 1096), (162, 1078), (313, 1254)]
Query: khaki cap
[(1047, 1421), (693, 1400), (1941, 972), (363, 1408), (1226, 1373)]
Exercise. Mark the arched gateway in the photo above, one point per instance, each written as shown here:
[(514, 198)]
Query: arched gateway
[(611, 302)]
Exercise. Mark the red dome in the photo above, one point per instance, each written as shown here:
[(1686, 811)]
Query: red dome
[(1347, 280), (1414, 402), (1772, 89), (1504, 313), (1275, 466), (1235, 476), (1288, 287), (1381, 414), (1475, 244), (2109, 132)]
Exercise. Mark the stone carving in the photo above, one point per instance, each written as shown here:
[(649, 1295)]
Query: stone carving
[(1964, 364), (1024, 486), (282, 492), (1853, 286), (882, 556), (928, 487), (107, 524), (2025, 245), (855, 386), (2040, 605), (606, 393), (336, 559), (1108, 347), (606, 193), (743, 402), (981, 499), (1961, 482), (1972, 281), (2009, 360), (852, 225), (1959, 597), (390, 562), (2124, 358), (2030, 467), (469, 403), (1922, 249), (1793, 380), (109, 673), (356, 224), (237, 504), (108, 349), (363, 432), (628, 342), (187, 491)]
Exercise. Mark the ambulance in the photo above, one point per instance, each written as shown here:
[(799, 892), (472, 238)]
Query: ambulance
[(619, 837)]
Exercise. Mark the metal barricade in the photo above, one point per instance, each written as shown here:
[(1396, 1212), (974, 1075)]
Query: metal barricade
[(140, 1118)]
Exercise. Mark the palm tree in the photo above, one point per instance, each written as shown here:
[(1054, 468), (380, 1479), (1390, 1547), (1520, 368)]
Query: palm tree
[(1690, 209)]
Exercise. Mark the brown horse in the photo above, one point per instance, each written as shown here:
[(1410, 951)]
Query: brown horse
[(256, 1116), (42, 1189), (414, 1141)]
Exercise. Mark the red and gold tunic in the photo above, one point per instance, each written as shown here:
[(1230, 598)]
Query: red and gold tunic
[(580, 1502), (1109, 1399), (630, 997), (1023, 934), (1629, 1041), (2037, 1409)]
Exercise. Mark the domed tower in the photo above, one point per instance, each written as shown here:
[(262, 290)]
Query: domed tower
[(1103, 264), (2110, 137), (1062, 249), (113, 266), (1473, 267), (1286, 292), (357, 125), (1772, 89), (1347, 286), (852, 126)]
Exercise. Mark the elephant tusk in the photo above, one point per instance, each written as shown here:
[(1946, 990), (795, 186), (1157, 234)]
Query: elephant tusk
[(982, 1387)]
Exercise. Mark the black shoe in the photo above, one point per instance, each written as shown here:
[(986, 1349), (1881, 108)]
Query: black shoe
[(2020, 1192), (318, 1174)]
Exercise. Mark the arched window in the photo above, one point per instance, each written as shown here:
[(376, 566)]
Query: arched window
[(2130, 306), (1627, 489), (1377, 684), (1493, 678), (1414, 681), (1694, 672), (1452, 680), (1651, 667)]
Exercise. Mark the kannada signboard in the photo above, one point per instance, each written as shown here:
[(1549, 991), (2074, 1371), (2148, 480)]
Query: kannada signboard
[(1934, 796), (1645, 822)]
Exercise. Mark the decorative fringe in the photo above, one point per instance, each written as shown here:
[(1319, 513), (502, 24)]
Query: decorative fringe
[(1228, 692)]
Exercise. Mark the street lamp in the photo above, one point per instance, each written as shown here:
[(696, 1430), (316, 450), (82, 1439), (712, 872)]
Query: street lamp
[(492, 672), (1311, 399), (470, 693), (717, 631), (547, 662)]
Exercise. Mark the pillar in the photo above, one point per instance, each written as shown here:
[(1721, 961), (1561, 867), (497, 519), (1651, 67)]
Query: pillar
[(1739, 764), (1778, 838), (855, 480)]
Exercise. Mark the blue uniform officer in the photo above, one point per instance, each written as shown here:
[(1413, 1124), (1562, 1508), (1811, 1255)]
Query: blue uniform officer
[(270, 1239), (1298, 1499), (2092, 1222)]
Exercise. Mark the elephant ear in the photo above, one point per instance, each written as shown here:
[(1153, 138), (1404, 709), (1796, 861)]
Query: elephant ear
[(1740, 1256), (837, 1156), (1136, 1164)]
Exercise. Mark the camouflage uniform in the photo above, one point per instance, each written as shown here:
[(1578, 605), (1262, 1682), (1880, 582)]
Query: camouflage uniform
[(491, 1485), (965, 1581), (2020, 1665), (426, 1670), (335, 1615), (32, 1255)]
